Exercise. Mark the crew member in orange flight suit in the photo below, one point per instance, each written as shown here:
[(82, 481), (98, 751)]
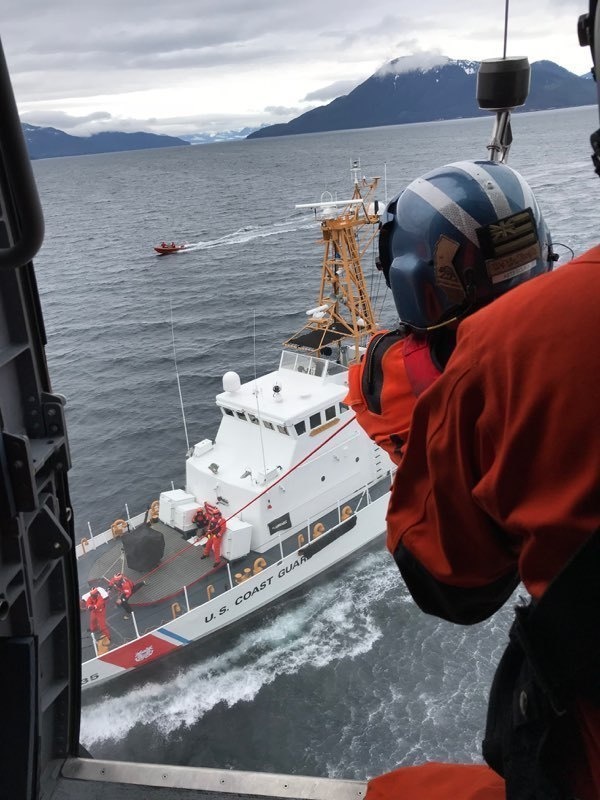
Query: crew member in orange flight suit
[(200, 520), (400, 364), (125, 587), (499, 484), (96, 605), (215, 529), (440, 271)]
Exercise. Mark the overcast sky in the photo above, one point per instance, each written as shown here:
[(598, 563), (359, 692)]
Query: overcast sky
[(185, 66)]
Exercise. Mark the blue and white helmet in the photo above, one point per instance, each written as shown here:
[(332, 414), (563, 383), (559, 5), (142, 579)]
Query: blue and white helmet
[(459, 237)]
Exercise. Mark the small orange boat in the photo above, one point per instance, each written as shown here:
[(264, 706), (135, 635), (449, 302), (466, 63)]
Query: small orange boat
[(163, 249)]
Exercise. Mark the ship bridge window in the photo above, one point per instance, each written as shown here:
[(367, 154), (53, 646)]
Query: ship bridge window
[(241, 414), (299, 362), (315, 420), (300, 427), (283, 429), (268, 425), (330, 412), (343, 407), (228, 411), (253, 419)]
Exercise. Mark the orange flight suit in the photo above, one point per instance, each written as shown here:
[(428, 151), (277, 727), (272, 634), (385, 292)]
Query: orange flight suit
[(97, 608), (499, 482), (381, 394)]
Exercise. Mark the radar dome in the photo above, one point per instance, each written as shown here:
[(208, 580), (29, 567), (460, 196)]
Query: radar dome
[(231, 382)]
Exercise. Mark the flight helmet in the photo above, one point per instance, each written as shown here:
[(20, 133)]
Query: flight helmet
[(457, 238)]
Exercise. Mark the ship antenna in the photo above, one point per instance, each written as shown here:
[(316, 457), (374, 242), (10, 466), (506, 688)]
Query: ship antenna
[(187, 440), (385, 194), (505, 26), (260, 433)]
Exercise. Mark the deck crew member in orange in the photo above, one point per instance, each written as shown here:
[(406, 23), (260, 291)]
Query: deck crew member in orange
[(215, 529), (499, 484), (200, 520), (95, 603), (124, 587)]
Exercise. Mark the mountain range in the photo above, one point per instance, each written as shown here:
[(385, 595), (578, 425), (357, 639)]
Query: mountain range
[(44, 142), (221, 136), (48, 142), (401, 92)]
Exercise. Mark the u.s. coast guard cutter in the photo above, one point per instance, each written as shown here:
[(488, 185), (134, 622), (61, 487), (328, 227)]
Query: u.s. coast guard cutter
[(300, 486)]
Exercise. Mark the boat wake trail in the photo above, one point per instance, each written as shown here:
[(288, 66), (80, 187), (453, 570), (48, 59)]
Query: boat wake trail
[(334, 621), (251, 232)]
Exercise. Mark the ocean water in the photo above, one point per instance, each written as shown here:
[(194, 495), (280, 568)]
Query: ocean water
[(351, 679)]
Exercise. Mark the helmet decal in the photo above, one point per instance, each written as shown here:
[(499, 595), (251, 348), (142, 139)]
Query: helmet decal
[(445, 272), (510, 246)]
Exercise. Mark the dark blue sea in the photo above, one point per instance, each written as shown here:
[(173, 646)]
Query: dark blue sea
[(348, 680)]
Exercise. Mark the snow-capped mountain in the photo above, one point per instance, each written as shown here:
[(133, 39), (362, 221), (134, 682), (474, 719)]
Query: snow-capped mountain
[(429, 86)]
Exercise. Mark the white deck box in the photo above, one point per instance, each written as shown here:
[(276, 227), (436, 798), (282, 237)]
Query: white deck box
[(168, 502), (236, 539), (184, 513)]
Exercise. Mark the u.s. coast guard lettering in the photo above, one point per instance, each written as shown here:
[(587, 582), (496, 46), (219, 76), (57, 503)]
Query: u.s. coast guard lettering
[(263, 584)]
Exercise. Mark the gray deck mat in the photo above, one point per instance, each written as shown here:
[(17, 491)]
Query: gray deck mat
[(181, 565)]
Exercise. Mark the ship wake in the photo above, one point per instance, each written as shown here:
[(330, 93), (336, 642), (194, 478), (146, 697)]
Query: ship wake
[(333, 622), (252, 232)]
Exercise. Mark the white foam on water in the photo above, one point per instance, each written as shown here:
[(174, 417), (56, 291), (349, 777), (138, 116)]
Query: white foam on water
[(251, 232), (333, 621)]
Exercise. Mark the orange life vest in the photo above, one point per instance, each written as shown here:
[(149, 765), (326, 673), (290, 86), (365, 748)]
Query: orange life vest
[(384, 386), (211, 511)]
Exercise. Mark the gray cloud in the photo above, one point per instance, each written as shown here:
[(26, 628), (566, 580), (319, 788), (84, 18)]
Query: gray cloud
[(63, 54), (408, 63), (284, 111), (334, 90), (66, 122)]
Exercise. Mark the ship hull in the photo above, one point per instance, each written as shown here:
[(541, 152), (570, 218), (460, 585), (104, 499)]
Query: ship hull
[(290, 573)]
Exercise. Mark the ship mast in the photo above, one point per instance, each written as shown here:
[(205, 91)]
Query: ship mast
[(344, 309)]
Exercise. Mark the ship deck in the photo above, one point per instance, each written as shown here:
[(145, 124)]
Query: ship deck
[(182, 565), (163, 596)]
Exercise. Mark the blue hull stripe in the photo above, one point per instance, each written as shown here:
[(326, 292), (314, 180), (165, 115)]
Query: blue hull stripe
[(175, 636)]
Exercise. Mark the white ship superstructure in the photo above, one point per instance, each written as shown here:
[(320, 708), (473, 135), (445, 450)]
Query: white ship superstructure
[(299, 484), (269, 427)]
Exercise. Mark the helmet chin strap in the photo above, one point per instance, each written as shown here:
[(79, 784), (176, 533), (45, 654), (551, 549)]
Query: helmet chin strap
[(463, 309)]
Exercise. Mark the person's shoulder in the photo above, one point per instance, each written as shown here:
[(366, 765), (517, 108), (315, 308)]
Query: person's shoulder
[(592, 255)]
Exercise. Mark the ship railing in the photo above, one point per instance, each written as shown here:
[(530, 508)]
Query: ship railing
[(194, 596), (96, 540)]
